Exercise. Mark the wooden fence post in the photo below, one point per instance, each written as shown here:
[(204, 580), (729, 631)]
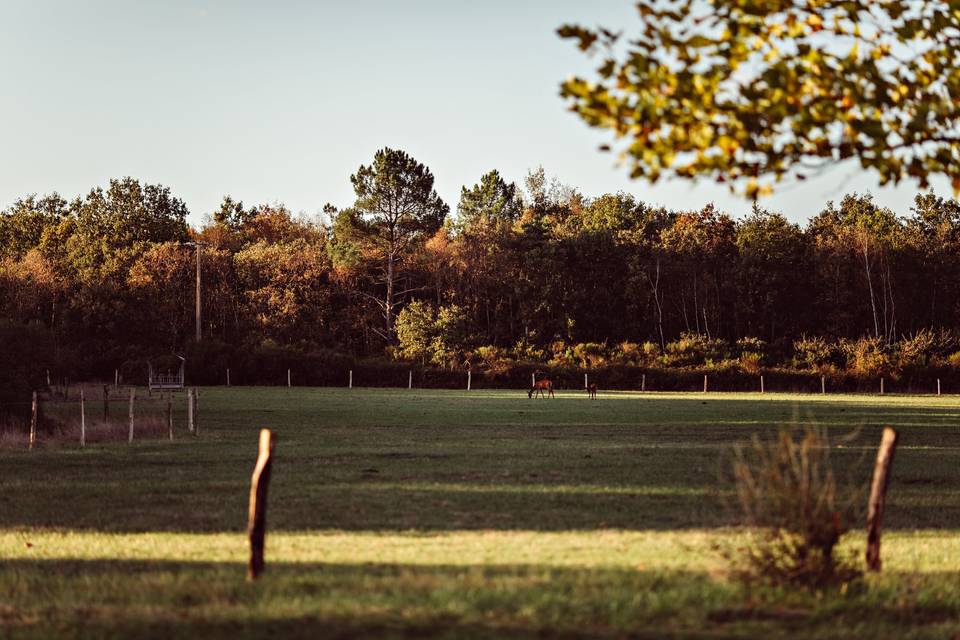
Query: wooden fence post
[(351, 380), (823, 384), (705, 383), (761, 384), (83, 422), (410, 380), (288, 378), (878, 495), (33, 421), (116, 378), (643, 382), (881, 386), (106, 402), (938, 386), (586, 384), (469, 376), (533, 379), (228, 376), (190, 410), (133, 393), (257, 513), (170, 415)]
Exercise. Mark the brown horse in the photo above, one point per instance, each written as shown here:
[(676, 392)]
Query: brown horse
[(539, 387), (592, 390)]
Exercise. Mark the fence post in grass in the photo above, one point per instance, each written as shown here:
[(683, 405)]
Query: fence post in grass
[(704, 383), (83, 421), (33, 421), (761, 384), (116, 378), (878, 495), (586, 384), (106, 402), (469, 377), (533, 379), (170, 415), (643, 382), (257, 513), (190, 410), (881, 386), (130, 415), (196, 411), (288, 378), (350, 383), (823, 384), (938, 386), (410, 380), (228, 376)]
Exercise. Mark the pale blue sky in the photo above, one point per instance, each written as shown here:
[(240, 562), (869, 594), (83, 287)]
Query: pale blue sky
[(281, 101)]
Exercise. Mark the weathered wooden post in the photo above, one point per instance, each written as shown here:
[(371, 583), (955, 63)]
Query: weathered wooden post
[(881, 386), (116, 378), (33, 421), (170, 415), (228, 376), (288, 378), (106, 402), (878, 495), (643, 382), (83, 421), (190, 410), (938, 386), (133, 393), (586, 384), (351, 380), (410, 380), (823, 384), (761, 384), (704, 383), (533, 379), (257, 512), (469, 377)]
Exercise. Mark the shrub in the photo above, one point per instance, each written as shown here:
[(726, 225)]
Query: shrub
[(628, 353), (812, 353), (651, 351), (494, 360), (788, 491), (589, 354), (866, 356), (953, 360), (694, 349), (916, 350), (751, 362)]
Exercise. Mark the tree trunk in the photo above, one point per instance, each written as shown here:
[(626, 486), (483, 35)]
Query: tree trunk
[(388, 307)]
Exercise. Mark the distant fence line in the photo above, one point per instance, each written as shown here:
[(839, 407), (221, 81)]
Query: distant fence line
[(607, 378)]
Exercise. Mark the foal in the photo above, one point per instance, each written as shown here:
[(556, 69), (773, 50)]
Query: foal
[(539, 387), (592, 390)]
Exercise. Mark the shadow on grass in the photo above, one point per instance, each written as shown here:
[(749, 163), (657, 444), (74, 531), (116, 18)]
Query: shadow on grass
[(163, 599)]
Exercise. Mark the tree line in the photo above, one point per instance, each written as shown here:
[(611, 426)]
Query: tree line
[(522, 272)]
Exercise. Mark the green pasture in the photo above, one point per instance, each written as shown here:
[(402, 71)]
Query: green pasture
[(423, 513)]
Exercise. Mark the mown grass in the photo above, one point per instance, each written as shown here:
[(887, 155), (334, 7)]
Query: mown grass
[(484, 514)]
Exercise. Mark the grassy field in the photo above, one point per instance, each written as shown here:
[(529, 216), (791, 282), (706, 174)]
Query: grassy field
[(398, 513)]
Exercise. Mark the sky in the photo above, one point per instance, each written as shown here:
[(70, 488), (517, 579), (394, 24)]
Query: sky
[(279, 102)]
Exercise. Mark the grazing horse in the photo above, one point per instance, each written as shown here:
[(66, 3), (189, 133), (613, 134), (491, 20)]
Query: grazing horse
[(539, 387), (592, 390)]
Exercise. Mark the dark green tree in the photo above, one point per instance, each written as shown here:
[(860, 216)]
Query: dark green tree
[(396, 211)]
